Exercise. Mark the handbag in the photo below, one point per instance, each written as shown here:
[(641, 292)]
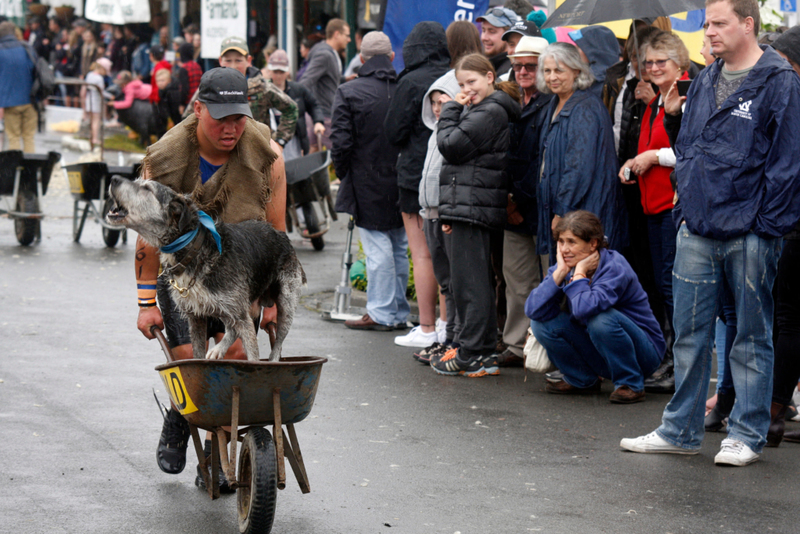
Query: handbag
[(535, 355)]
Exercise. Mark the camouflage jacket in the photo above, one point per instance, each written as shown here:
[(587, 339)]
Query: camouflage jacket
[(263, 96)]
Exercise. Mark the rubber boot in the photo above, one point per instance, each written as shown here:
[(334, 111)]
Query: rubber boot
[(715, 420), (777, 425)]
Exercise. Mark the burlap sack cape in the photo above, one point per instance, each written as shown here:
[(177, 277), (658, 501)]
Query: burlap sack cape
[(238, 191)]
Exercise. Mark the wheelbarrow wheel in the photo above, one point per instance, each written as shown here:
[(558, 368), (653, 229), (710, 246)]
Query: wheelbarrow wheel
[(257, 485), (111, 237), (312, 225), (26, 229)]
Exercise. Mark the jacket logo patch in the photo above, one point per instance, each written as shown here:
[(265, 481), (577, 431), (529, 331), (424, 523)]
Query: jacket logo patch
[(743, 111)]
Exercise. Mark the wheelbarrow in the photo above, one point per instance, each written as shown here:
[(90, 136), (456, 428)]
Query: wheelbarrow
[(308, 184), (88, 183), (23, 181), (235, 400)]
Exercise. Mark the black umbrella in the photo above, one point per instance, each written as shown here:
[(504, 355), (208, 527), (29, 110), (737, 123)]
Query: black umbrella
[(597, 11)]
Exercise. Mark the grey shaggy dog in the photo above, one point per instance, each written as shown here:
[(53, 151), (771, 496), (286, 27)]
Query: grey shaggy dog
[(257, 265)]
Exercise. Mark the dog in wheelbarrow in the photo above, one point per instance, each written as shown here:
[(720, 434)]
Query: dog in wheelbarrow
[(228, 276)]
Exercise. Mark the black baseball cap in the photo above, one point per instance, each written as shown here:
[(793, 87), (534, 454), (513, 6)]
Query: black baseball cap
[(523, 28), (224, 92)]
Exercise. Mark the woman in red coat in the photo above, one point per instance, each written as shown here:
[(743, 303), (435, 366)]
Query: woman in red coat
[(666, 59)]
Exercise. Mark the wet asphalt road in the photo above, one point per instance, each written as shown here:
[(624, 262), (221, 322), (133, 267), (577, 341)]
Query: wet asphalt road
[(389, 446)]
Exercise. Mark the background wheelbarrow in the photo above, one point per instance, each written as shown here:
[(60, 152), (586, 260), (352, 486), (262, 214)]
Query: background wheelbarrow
[(23, 181), (88, 183), (245, 396), (309, 190)]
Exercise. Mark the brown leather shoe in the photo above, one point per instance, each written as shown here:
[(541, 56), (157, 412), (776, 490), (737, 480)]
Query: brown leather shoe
[(793, 436), (625, 395), (563, 388), (509, 359), (366, 323)]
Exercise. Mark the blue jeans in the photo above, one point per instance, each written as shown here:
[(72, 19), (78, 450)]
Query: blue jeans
[(611, 345), (749, 264), (387, 274)]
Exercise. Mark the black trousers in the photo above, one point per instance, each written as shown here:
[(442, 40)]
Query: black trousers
[(787, 319), (473, 285)]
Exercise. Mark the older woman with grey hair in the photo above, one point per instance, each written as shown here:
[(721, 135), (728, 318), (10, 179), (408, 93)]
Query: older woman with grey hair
[(578, 160)]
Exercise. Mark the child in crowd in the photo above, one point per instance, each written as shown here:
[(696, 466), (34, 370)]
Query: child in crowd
[(441, 91), (474, 139), (93, 102)]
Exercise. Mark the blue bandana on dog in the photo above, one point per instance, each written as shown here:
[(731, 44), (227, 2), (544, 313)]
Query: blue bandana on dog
[(185, 239)]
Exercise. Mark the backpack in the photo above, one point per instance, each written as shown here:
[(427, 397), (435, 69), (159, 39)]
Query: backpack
[(44, 79)]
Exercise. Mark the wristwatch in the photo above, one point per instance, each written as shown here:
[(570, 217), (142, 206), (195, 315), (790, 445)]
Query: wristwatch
[(281, 142)]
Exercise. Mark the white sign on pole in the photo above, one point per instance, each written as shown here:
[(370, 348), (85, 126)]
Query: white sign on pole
[(118, 11), (220, 19), (11, 9)]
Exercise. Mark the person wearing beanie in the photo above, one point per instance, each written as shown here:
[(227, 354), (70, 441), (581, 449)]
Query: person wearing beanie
[(365, 161), (539, 18)]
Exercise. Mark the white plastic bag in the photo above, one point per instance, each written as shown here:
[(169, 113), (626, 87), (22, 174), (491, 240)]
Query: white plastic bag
[(535, 355)]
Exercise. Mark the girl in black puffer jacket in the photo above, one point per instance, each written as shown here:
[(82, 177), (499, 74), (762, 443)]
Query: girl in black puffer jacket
[(473, 138)]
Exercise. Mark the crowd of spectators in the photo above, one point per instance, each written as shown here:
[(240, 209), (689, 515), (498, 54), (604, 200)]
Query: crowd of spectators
[(597, 200), (576, 195)]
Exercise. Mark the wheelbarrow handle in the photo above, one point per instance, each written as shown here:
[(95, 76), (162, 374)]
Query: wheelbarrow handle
[(156, 331)]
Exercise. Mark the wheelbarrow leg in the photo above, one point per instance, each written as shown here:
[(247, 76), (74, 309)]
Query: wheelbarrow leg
[(277, 434), (213, 490), (296, 458), (201, 457)]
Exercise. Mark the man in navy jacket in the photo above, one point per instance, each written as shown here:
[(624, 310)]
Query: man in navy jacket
[(737, 183)]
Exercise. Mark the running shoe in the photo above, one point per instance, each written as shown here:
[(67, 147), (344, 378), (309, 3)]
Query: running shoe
[(450, 365)]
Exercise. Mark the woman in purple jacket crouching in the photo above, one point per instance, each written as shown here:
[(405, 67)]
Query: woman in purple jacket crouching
[(593, 317)]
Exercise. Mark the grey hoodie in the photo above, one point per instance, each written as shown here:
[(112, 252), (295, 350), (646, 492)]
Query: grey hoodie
[(429, 184)]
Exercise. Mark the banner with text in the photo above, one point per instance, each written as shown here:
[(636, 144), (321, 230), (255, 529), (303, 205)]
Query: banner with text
[(11, 9), (220, 19), (117, 11), (402, 16)]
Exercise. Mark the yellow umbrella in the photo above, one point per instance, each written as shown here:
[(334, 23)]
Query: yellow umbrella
[(691, 23)]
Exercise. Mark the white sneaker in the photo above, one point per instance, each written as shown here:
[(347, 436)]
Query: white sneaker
[(441, 329), (417, 338), (653, 443), (736, 453)]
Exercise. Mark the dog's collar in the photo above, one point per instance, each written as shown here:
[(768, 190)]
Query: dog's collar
[(185, 239)]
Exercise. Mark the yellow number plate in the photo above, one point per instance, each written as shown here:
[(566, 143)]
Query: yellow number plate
[(75, 182), (173, 381)]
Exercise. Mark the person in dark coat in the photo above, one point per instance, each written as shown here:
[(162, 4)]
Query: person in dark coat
[(473, 138), (522, 266), (426, 58), (577, 146), (367, 164)]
